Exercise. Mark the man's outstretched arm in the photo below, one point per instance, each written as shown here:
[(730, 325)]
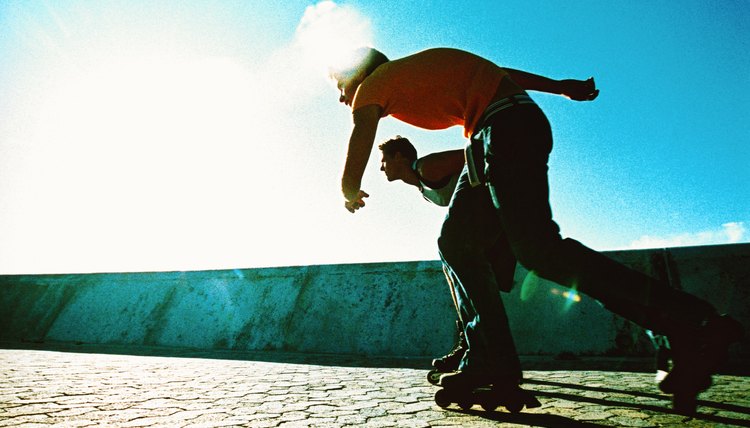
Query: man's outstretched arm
[(360, 145), (578, 90)]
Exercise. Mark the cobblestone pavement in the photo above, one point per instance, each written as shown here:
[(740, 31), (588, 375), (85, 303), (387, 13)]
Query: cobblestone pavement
[(43, 388)]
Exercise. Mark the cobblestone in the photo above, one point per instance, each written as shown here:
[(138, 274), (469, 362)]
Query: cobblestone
[(75, 389)]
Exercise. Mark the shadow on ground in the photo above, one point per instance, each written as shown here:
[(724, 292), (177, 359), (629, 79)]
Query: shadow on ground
[(529, 362), (575, 395)]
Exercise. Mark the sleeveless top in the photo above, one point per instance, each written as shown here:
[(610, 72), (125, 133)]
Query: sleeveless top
[(438, 193)]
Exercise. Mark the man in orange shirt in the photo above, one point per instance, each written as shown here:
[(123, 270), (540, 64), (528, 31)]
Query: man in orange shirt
[(510, 141)]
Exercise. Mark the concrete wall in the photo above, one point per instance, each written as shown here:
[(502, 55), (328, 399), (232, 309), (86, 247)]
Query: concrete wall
[(384, 309)]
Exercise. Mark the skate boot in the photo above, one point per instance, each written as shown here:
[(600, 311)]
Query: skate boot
[(663, 362), (450, 362), (490, 392), (696, 358)]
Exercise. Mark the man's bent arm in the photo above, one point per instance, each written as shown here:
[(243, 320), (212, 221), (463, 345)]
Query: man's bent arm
[(436, 166), (360, 145)]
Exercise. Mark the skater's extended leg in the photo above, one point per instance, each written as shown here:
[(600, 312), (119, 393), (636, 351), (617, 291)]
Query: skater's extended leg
[(517, 171)]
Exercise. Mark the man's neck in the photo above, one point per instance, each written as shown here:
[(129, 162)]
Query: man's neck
[(410, 177)]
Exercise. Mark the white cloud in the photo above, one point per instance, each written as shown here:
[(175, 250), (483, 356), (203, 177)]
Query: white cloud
[(735, 231), (729, 233)]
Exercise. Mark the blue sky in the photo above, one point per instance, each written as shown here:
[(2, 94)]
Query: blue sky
[(176, 136)]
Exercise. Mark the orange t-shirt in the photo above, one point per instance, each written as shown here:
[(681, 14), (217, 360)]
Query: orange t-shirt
[(433, 89)]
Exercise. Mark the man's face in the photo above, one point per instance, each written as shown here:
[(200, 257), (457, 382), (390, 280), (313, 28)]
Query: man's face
[(392, 166), (347, 86)]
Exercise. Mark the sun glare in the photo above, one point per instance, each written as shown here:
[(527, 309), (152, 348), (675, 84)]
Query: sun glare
[(144, 101), (159, 140), (157, 145), (329, 33)]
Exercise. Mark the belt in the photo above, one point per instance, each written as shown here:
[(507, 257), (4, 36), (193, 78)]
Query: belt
[(503, 104)]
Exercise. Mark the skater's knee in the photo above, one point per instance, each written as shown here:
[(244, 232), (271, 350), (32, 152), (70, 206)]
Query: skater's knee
[(453, 244), (678, 304), (536, 254), (450, 249)]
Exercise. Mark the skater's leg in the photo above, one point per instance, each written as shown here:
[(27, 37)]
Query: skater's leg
[(517, 172), (503, 262), (450, 361), (470, 228), (452, 288)]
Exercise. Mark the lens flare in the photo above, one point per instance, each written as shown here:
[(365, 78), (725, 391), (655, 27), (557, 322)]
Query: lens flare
[(571, 296), (530, 284)]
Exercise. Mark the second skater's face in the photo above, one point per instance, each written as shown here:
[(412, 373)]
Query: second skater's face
[(392, 166)]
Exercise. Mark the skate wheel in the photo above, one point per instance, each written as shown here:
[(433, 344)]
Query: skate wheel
[(487, 401), (442, 398), (514, 407), (489, 405), (465, 403), (433, 376)]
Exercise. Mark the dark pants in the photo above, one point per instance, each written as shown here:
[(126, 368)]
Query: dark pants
[(517, 142)]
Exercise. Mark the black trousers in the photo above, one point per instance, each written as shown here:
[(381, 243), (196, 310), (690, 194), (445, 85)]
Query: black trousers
[(517, 142)]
